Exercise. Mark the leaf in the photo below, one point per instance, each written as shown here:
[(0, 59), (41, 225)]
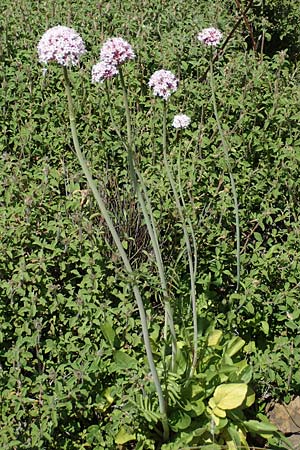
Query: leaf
[(259, 427), (197, 407), (214, 338), (219, 412), (181, 362), (123, 437), (179, 420), (230, 396), (250, 397), (232, 435), (108, 332), (212, 403), (107, 395), (265, 327), (234, 345), (124, 361), (212, 447)]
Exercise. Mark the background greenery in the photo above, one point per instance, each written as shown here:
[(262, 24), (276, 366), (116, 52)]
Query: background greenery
[(65, 306)]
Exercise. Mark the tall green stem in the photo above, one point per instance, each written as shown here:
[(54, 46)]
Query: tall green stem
[(192, 269), (149, 220), (111, 114), (233, 188), (184, 208), (111, 227)]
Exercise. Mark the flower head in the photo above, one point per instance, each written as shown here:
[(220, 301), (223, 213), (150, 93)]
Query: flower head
[(116, 51), (62, 45), (103, 71), (164, 83), (181, 121), (210, 36)]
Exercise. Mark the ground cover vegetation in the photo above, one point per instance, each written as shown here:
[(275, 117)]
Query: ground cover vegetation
[(74, 372)]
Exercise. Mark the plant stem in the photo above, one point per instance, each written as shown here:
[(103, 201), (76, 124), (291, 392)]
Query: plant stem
[(229, 37), (233, 188), (186, 240), (111, 114), (149, 220), (111, 227), (188, 219)]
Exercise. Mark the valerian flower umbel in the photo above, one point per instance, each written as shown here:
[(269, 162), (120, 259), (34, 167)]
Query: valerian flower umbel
[(103, 71), (181, 121), (62, 45), (210, 36), (116, 51), (164, 83)]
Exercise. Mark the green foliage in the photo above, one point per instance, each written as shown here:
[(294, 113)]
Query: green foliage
[(209, 407), (275, 25), (73, 373)]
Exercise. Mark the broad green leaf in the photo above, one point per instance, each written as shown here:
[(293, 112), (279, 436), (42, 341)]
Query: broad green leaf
[(250, 397), (123, 437), (179, 420), (227, 368), (246, 374), (108, 332), (265, 327), (219, 412), (233, 435), (259, 427), (234, 345), (197, 407), (230, 396), (107, 395), (124, 361), (214, 338), (199, 431)]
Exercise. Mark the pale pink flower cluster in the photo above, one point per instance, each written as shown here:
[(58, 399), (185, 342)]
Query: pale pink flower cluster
[(210, 36), (114, 52), (103, 71), (164, 83), (62, 45), (181, 121)]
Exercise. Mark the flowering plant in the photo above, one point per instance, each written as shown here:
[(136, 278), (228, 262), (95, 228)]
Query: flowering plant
[(181, 121), (62, 45), (164, 83), (178, 414), (116, 51), (103, 71), (210, 36)]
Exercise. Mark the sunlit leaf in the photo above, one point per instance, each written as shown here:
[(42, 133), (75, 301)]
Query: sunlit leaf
[(230, 396), (123, 437), (214, 338)]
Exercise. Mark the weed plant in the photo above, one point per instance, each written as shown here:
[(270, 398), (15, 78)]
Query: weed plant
[(74, 372)]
